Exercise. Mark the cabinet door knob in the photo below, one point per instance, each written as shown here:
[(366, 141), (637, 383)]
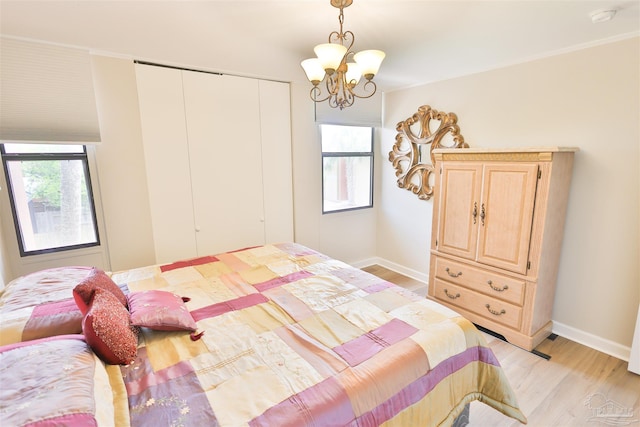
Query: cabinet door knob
[(197, 229), (482, 214)]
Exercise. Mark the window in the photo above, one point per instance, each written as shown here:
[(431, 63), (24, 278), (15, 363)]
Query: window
[(347, 167), (51, 199)]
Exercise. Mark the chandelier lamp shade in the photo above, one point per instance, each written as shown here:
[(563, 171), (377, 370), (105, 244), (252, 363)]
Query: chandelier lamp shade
[(340, 68)]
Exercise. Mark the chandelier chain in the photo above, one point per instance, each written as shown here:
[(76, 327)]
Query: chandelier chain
[(341, 21)]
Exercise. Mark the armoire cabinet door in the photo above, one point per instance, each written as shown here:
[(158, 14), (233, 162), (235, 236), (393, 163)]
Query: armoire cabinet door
[(506, 211), (459, 209), (222, 115), (486, 211)]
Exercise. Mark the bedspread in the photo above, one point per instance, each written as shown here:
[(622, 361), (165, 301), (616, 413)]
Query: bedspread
[(40, 305), (54, 381), (292, 338)]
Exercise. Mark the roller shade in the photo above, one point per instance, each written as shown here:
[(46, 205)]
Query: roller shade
[(46, 93)]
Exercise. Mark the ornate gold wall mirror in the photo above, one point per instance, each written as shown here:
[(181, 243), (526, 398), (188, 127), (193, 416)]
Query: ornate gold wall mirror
[(412, 154)]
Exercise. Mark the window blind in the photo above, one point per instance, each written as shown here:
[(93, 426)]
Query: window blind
[(46, 93)]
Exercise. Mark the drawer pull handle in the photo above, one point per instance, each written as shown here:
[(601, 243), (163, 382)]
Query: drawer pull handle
[(504, 288), (453, 274), (495, 313), (451, 295), (482, 215)]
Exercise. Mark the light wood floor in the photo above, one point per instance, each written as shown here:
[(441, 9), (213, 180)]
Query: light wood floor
[(563, 391)]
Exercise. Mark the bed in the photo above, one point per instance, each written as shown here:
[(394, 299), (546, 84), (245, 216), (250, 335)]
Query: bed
[(275, 335)]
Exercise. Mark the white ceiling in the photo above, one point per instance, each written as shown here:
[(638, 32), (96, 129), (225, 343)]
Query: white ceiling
[(424, 40)]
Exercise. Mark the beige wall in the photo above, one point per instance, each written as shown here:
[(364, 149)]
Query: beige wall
[(348, 236), (120, 163), (589, 99), (120, 180), (5, 271)]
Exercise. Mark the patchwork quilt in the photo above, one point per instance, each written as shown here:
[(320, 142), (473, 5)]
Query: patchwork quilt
[(287, 336), (40, 305)]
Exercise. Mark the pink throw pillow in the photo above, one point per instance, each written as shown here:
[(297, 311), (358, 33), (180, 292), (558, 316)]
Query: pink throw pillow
[(160, 310), (97, 279), (108, 330)]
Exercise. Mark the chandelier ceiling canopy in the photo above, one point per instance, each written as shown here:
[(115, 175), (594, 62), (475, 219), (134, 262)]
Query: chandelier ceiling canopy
[(340, 68)]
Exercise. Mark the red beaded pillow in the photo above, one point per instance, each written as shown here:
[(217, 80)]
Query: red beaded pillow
[(107, 329), (97, 279)]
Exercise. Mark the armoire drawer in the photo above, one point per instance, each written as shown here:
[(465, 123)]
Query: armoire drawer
[(483, 305), (492, 284)]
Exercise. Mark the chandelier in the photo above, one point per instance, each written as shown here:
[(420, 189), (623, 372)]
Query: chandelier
[(340, 68)]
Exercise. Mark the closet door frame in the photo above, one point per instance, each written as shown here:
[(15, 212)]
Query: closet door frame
[(277, 165), (167, 164), (218, 160), (222, 116)]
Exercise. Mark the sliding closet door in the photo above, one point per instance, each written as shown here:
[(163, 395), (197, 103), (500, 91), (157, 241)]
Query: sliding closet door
[(222, 115), (165, 142), (275, 123)]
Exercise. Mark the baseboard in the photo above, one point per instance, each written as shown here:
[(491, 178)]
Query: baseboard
[(365, 262), (414, 274), (595, 342)]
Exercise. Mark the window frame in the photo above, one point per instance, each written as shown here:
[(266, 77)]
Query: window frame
[(41, 156), (347, 154)]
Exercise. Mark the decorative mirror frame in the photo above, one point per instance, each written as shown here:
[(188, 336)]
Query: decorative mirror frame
[(411, 170)]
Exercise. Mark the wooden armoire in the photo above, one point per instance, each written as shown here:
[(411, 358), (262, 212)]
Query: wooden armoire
[(498, 223)]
